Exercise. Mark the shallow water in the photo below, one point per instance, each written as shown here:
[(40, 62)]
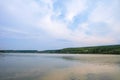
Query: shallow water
[(26, 66)]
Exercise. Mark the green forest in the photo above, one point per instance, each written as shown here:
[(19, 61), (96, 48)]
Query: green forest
[(109, 49)]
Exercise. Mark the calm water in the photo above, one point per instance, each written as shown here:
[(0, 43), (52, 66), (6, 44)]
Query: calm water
[(59, 67)]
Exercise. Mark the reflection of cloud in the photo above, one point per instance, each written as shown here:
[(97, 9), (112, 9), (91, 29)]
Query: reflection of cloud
[(101, 59), (53, 18), (82, 72)]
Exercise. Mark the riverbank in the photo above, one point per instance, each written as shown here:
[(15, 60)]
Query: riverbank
[(109, 49)]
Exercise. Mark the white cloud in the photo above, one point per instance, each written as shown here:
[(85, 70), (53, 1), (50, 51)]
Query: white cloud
[(54, 28), (104, 12), (108, 13), (40, 16), (26, 11), (74, 7)]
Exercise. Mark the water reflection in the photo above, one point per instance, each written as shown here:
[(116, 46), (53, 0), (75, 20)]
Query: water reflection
[(59, 67), (85, 72)]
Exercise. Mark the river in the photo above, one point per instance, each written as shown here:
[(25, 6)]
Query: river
[(25, 66)]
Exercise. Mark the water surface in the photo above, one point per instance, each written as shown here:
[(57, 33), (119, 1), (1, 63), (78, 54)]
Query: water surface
[(19, 66)]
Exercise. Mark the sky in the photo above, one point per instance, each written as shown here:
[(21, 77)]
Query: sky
[(56, 24)]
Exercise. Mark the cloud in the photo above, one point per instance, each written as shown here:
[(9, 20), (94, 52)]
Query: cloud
[(106, 13), (73, 8), (46, 20)]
